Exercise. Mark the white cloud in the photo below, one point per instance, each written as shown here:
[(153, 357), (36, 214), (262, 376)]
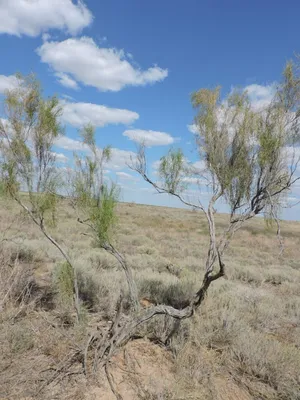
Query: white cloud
[(193, 128), (67, 143), (46, 37), (60, 157), (8, 82), (33, 17), (66, 81), (260, 95), (120, 159), (293, 155), (127, 177), (192, 180), (155, 165), (293, 199), (149, 138), (67, 97), (199, 166), (103, 68), (78, 114)]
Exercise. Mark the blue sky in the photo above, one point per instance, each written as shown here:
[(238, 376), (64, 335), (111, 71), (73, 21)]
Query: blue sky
[(130, 66)]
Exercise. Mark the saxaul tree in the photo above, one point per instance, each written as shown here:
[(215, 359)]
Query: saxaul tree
[(250, 161), (28, 130), (95, 201)]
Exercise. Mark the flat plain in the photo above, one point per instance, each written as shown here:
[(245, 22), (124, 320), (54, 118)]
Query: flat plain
[(243, 343)]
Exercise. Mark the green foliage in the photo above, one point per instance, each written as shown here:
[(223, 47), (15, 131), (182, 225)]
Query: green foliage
[(2, 189), (64, 282), (9, 183), (103, 214), (289, 92), (95, 198), (244, 147), (88, 135), (26, 140), (171, 171), (226, 130)]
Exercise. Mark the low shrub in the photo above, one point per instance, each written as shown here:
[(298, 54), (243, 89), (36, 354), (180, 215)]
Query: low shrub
[(64, 282), (17, 283), (20, 339), (174, 294)]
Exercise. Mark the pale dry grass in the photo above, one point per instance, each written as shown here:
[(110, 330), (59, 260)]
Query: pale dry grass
[(244, 341)]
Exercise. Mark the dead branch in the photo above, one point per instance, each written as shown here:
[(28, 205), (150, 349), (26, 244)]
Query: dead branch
[(110, 380)]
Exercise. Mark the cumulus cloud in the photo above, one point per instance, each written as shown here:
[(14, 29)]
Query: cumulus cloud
[(67, 97), (193, 128), (107, 69), (24, 17), (60, 157), (199, 166), (120, 159), (8, 82), (46, 37), (67, 143), (127, 177), (79, 114), (292, 199), (149, 138), (66, 81), (260, 95)]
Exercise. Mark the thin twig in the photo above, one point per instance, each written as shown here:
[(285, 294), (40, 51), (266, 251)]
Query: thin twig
[(111, 383)]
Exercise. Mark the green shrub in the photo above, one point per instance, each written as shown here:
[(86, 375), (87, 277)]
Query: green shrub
[(64, 282)]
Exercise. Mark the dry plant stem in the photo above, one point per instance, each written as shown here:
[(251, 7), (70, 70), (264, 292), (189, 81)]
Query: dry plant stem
[(125, 332), (63, 368), (140, 167), (128, 273), (40, 224), (111, 383)]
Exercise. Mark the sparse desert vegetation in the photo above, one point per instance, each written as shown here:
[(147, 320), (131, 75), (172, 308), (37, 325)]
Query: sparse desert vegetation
[(101, 299), (243, 344)]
